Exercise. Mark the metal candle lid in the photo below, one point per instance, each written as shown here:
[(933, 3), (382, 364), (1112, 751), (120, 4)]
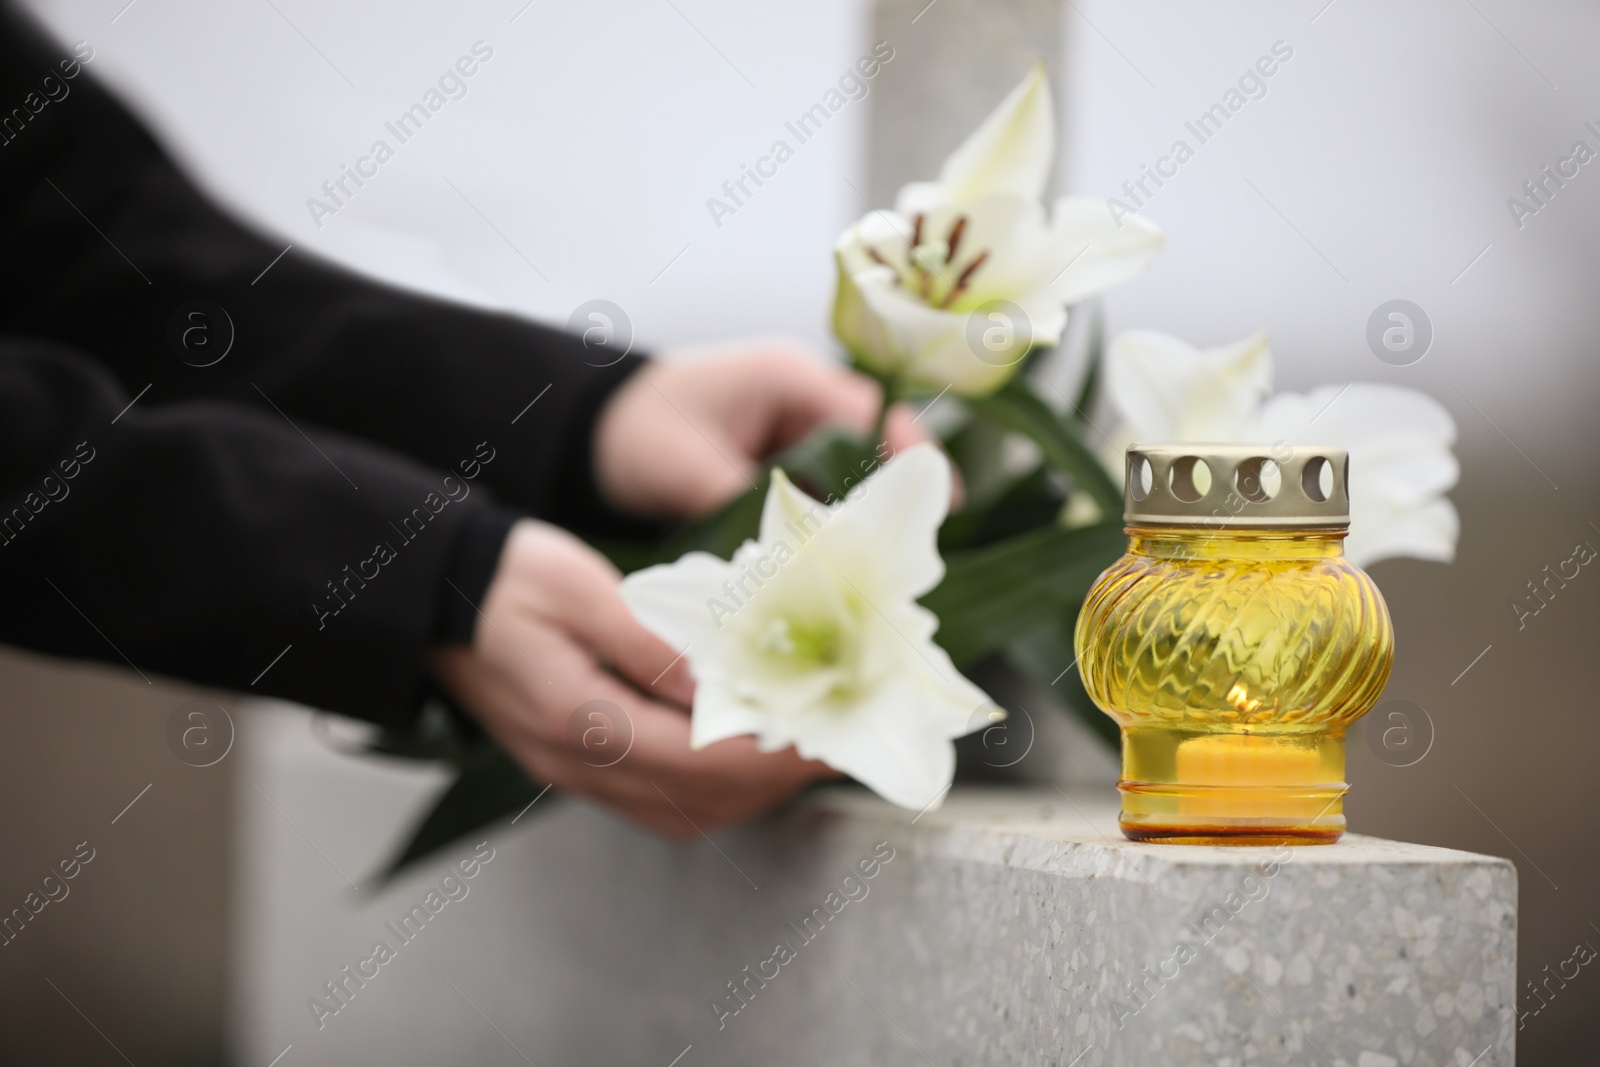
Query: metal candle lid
[(1237, 485)]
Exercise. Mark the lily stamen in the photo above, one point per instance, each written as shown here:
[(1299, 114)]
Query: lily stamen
[(953, 242), (877, 257), (966, 275), (924, 277)]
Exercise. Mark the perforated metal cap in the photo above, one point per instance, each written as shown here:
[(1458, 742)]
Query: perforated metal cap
[(1237, 485)]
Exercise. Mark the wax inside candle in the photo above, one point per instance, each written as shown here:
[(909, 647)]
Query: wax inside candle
[(1232, 759)]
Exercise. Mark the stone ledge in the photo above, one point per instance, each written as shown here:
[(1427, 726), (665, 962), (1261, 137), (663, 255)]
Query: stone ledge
[(1368, 952), (1058, 832), (1006, 929)]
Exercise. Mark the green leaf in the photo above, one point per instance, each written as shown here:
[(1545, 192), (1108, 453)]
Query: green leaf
[(1026, 503), (489, 786), (720, 532), (1016, 407), (993, 596), (433, 736), (827, 464), (978, 449), (1048, 657), (1090, 390)]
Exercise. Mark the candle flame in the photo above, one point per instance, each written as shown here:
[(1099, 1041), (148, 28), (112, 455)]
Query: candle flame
[(1241, 700)]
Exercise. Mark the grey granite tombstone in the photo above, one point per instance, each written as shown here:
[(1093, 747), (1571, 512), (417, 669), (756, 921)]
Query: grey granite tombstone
[(1013, 926)]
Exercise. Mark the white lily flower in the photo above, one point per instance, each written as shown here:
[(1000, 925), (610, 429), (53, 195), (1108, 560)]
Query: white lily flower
[(1401, 464), (811, 636), (1168, 390), (955, 285), (1399, 439)]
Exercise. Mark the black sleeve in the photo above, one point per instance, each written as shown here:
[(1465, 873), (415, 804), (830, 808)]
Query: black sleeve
[(302, 517), (210, 541), (107, 243)]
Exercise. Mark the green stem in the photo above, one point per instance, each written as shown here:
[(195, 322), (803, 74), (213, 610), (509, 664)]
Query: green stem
[(1015, 407), (882, 420)]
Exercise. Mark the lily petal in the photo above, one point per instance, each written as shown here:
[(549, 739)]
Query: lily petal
[(1012, 151), (1401, 463), (903, 751), (670, 600), (719, 715), (1108, 252), (790, 515), (864, 332), (901, 505), (811, 636), (1429, 532), (1168, 390), (930, 347)]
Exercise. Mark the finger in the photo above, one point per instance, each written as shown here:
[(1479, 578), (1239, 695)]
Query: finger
[(626, 795), (578, 594), (696, 469), (529, 711), (607, 627), (904, 427), (661, 749), (707, 477), (533, 719), (579, 680), (808, 394), (782, 775), (727, 783)]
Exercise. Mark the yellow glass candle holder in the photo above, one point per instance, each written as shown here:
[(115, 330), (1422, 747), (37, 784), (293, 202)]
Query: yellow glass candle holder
[(1234, 644)]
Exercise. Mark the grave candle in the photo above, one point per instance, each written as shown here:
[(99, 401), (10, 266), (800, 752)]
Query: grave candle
[(1234, 644)]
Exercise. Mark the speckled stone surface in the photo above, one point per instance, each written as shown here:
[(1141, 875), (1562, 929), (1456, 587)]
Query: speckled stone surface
[(1006, 929), (1024, 934)]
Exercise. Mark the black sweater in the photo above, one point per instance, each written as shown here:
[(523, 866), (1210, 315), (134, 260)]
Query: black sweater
[(326, 487)]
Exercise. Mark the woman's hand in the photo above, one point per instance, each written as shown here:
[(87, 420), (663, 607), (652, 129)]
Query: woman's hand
[(552, 623), (682, 436), (688, 432)]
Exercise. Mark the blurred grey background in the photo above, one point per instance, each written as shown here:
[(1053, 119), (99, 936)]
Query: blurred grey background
[(1377, 166)]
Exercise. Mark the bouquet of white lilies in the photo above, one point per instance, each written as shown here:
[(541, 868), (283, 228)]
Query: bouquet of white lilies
[(834, 606)]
